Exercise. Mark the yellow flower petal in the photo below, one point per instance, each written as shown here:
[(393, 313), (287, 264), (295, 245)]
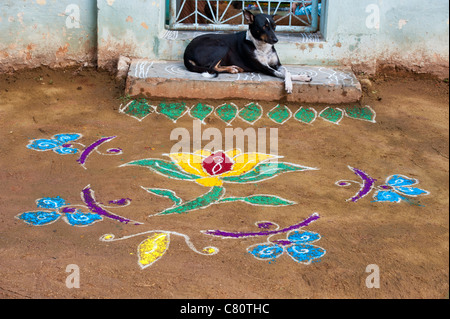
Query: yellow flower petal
[(190, 163), (153, 248), (204, 153), (209, 181), (233, 153), (246, 162)]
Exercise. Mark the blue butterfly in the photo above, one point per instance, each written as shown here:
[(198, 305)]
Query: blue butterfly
[(56, 208), (58, 144), (297, 246), (396, 188)]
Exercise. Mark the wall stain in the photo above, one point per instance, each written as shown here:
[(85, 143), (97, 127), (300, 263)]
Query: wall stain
[(61, 52)]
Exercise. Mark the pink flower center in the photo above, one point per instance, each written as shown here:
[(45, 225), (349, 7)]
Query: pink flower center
[(217, 163)]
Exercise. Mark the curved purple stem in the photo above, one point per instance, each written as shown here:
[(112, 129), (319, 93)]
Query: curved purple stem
[(304, 223), (88, 197), (368, 183), (120, 202), (88, 150)]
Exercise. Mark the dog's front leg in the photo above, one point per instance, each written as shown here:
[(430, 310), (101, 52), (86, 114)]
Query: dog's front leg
[(283, 73), (295, 77)]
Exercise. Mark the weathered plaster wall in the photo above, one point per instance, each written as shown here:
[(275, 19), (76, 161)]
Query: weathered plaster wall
[(47, 32), (409, 33), (135, 29), (360, 33)]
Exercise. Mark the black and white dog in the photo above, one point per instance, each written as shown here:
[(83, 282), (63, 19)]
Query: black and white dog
[(247, 51)]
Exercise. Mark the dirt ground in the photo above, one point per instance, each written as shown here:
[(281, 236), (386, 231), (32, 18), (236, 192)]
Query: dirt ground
[(408, 241)]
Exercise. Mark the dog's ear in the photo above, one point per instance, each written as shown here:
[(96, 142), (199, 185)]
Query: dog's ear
[(249, 16)]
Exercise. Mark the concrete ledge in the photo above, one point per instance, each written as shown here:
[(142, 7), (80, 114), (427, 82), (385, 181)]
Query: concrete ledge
[(164, 79)]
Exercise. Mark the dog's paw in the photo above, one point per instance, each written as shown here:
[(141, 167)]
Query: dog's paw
[(234, 69), (302, 78), (288, 86), (307, 78)]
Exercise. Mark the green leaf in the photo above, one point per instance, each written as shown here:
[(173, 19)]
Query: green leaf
[(265, 171), (260, 200), (280, 114), (305, 115), (227, 112), (251, 112), (201, 111), (333, 115), (365, 113), (167, 193), (211, 197), (165, 168), (172, 110), (138, 108)]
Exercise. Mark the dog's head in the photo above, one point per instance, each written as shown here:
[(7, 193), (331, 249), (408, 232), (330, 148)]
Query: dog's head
[(262, 27)]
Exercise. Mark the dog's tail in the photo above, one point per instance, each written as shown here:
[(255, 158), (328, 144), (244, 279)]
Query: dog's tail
[(205, 71)]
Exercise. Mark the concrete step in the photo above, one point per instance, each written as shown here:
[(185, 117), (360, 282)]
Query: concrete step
[(170, 79)]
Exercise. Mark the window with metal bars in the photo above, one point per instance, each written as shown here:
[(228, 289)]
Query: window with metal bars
[(215, 15)]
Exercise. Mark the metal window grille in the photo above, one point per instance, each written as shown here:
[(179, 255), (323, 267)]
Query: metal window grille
[(215, 15)]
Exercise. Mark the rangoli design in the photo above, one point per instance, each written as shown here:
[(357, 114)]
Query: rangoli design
[(280, 114), (249, 113), (365, 113), (213, 170), (296, 245), (63, 144), (227, 112), (138, 109), (201, 111), (306, 115), (155, 246), (397, 188), (173, 111), (53, 208), (332, 115)]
